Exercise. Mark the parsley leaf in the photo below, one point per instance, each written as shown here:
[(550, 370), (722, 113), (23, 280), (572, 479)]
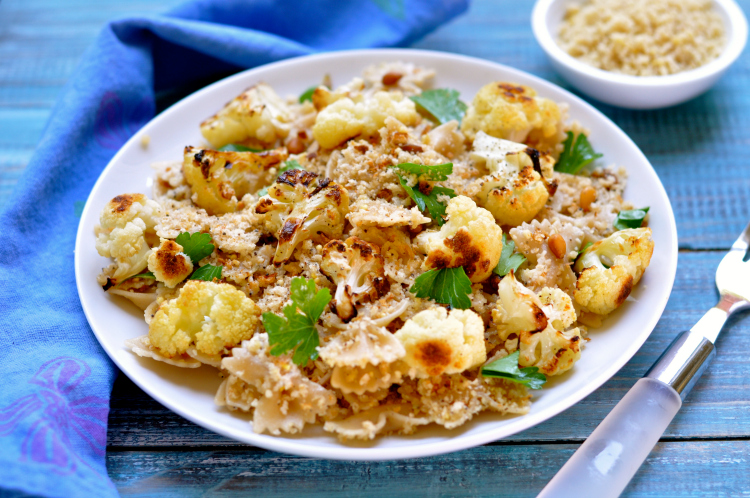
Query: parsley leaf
[(508, 259), (435, 173), (197, 246), (507, 368), (446, 286), (427, 202), (290, 164), (238, 148), (307, 94), (576, 154), (147, 274), (630, 218), (586, 246), (443, 104), (296, 329), (207, 273)]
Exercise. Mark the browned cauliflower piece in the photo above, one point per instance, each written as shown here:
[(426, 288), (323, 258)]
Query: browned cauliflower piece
[(258, 113), (519, 180), (300, 206), (346, 118), (356, 267), (515, 112), (610, 268), (469, 238), (218, 180), (437, 342), (126, 225), (212, 317), (537, 326), (169, 264)]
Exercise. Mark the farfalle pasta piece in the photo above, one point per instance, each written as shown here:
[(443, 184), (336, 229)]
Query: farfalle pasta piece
[(367, 379), (365, 358), (143, 348), (452, 400), (396, 418), (286, 399), (546, 269), (362, 343)]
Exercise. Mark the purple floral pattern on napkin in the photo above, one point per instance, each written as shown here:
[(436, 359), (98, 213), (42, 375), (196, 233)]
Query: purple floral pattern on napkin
[(56, 413), (116, 121)]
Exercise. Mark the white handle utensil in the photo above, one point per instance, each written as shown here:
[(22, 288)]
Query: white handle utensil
[(604, 464)]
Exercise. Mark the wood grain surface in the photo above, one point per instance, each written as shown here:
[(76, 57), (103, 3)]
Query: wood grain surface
[(700, 151)]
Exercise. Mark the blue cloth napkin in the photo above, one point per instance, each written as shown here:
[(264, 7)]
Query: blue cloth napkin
[(56, 380)]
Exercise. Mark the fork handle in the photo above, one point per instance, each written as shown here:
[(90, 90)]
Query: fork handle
[(604, 464)]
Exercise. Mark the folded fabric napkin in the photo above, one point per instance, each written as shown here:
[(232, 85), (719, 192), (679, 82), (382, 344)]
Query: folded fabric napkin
[(54, 400)]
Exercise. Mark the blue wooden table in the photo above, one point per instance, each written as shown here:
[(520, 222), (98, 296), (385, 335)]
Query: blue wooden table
[(705, 451)]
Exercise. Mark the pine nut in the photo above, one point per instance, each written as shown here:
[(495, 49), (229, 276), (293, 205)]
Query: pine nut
[(588, 195), (557, 245), (391, 78)]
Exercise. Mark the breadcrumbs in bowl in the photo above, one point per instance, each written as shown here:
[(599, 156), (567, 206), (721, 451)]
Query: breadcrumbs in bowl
[(640, 54), (643, 37)]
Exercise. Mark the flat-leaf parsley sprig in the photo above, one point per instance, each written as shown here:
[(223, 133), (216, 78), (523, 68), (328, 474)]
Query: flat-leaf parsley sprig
[(630, 218), (509, 260), (442, 103), (296, 329), (445, 286), (197, 245), (426, 196), (507, 368), (576, 154)]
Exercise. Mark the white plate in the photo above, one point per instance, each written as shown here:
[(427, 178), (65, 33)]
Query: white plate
[(190, 392)]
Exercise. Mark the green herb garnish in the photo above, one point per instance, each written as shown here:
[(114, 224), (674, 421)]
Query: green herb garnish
[(576, 154), (147, 274), (446, 286), (296, 329), (443, 104), (290, 164), (630, 218), (238, 148), (586, 246), (507, 368), (197, 246), (307, 94), (207, 273), (427, 202), (509, 260)]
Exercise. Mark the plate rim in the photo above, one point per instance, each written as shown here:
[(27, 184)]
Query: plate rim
[(343, 452)]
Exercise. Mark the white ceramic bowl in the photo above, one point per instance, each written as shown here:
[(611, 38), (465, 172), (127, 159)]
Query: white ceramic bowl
[(190, 392), (637, 92)]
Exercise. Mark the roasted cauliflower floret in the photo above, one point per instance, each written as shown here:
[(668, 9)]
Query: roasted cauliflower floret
[(536, 324), (356, 267), (258, 113), (169, 264), (125, 226), (345, 118), (514, 112), (301, 206), (470, 238), (218, 180), (610, 268), (210, 316), (518, 185), (437, 342)]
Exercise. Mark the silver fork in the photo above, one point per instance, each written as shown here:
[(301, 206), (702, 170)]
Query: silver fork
[(604, 464)]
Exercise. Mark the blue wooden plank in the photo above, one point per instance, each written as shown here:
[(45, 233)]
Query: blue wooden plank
[(676, 469)]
